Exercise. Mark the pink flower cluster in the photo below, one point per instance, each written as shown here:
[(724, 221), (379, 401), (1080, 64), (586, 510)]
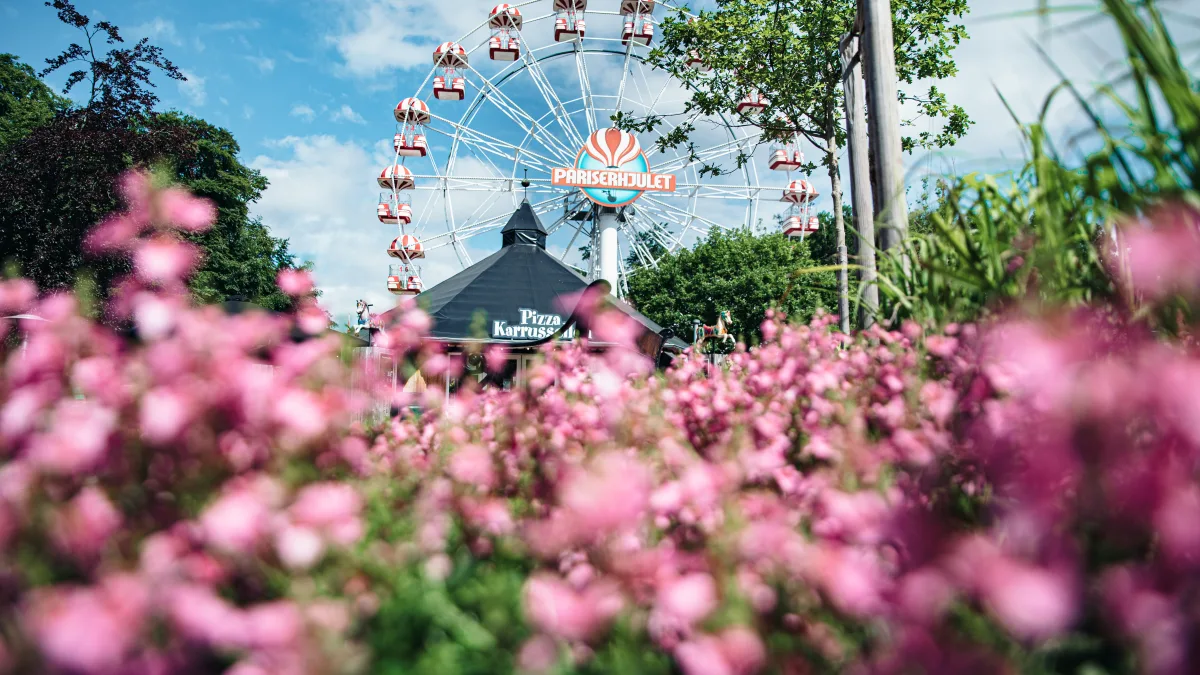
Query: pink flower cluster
[(149, 487), (850, 497), (978, 498)]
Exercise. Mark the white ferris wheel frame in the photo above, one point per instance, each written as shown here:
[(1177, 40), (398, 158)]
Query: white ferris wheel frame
[(680, 209)]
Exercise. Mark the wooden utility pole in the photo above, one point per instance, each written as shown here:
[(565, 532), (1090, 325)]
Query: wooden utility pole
[(883, 118), (860, 176)]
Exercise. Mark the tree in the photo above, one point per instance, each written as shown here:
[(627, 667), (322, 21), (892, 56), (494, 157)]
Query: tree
[(241, 257), (25, 101), (734, 270), (787, 51), (60, 179)]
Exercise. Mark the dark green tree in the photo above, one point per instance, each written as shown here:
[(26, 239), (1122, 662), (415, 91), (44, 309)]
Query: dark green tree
[(60, 178), (241, 258), (25, 101), (733, 270)]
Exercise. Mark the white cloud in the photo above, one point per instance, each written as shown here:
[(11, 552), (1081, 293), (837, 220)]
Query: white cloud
[(159, 29), (247, 112), (322, 197), (347, 114), (193, 88), (243, 24), (264, 64), (303, 111), (375, 36)]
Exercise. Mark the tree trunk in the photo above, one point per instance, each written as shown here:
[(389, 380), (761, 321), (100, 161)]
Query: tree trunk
[(839, 222), (860, 176)]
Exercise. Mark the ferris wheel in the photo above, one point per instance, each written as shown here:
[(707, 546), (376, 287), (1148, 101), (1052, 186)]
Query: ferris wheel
[(521, 108)]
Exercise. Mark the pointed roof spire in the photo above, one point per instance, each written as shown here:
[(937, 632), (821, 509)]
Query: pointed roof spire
[(524, 227)]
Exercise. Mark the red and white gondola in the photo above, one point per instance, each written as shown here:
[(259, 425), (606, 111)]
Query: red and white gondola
[(403, 279), (569, 23), (753, 104), (394, 211), (505, 43), (406, 247), (638, 26), (450, 85), (396, 177)]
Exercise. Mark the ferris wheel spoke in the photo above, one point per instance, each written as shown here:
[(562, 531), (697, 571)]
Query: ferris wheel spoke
[(682, 212), (679, 153), (686, 223), (493, 145), (510, 109), (624, 73), (656, 232), (490, 223), (639, 249), (585, 86), (725, 149), (553, 101)]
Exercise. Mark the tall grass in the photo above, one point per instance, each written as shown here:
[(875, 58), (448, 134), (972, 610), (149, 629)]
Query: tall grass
[(1036, 237)]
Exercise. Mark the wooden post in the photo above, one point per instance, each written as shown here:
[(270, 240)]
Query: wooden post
[(860, 174), (883, 118)]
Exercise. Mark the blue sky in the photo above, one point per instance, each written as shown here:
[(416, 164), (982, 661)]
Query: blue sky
[(307, 87)]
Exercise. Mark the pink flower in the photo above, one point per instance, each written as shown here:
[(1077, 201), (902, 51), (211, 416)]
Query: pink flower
[(114, 233), (88, 629), (1177, 523), (294, 282), (496, 358), (1032, 602), (17, 296), (332, 509), (274, 625), (164, 416), (939, 400), (83, 527), (743, 650), (703, 656), (299, 548), (537, 655), (610, 496), (78, 441), (236, 521), (302, 414), (202, 616), (312, 319), (154, 315), (188, 213), (941, 347), (326, 504), (690, 598), (164, 260), (472, 465), (557, 609)]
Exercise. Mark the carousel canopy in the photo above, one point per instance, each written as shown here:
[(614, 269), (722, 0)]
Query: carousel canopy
[(511, 295)]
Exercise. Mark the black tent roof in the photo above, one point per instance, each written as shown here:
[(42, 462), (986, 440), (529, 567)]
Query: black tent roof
[(520, 276)]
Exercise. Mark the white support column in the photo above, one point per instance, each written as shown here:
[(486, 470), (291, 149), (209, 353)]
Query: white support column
[(606, 220)]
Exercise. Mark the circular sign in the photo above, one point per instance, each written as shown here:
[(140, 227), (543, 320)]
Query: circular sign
[(612, 196)]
